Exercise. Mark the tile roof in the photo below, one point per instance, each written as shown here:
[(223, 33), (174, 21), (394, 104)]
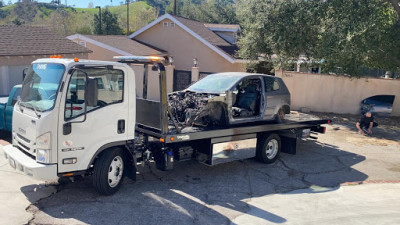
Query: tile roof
[(123, 43), (203, 31), (31, 40)]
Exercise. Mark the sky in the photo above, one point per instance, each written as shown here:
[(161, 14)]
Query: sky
[(81, 3)]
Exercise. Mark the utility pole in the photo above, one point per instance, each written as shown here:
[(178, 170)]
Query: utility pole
[(175, 9), (99, 18), (127, 17)]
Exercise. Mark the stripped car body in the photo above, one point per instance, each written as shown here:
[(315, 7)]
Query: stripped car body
[(225, 99)]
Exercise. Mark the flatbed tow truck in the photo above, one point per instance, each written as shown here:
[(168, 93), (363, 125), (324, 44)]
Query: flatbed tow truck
[(95, 125)]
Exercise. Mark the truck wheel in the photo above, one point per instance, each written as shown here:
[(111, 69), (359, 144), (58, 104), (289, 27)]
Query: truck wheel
[(268, 148), (108, 172)]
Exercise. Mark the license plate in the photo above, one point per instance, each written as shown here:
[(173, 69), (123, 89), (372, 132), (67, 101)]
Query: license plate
[(12, 163)]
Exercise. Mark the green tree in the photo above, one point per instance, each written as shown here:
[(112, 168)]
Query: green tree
[(209, 11), (62, 22), (109, 23), (26, 10), (159, 4), (345, 34), (18, 22), (1, 4)]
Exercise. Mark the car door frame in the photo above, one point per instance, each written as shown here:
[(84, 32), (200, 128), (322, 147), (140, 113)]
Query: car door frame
[(259, 117)]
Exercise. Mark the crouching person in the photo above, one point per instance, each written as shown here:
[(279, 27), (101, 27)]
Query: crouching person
[(366, 123)]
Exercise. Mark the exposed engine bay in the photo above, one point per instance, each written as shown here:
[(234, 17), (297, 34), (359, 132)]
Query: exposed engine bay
[(197, 109)]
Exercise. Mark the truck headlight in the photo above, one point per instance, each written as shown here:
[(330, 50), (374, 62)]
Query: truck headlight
[(43, 155), (43, 146)]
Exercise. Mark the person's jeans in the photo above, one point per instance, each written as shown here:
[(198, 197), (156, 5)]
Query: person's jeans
[(365, 127)]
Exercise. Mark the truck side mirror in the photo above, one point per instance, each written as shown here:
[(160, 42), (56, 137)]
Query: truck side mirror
[(91, 92), (24, 73)]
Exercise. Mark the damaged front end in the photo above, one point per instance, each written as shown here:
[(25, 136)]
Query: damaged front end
[(192, 109)]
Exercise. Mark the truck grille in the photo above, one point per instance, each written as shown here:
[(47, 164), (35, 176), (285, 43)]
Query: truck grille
[(24, 138), (25, 146)]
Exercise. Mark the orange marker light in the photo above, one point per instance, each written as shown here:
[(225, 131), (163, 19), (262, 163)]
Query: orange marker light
[(59, 56), (155, 58), (68, 174), (172, 139), (162, 140), (76, 60)]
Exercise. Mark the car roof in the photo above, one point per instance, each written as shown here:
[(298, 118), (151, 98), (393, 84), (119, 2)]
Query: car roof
[(241, 74)]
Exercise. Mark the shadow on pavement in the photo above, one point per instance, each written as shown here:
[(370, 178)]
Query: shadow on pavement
[(198, 194)]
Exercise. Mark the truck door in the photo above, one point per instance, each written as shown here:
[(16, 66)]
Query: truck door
[(81, 134)]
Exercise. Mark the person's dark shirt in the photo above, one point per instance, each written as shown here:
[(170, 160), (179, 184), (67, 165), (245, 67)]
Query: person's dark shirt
[(365, 121)]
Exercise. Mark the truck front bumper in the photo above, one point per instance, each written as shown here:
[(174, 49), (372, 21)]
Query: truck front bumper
[(28, 166)]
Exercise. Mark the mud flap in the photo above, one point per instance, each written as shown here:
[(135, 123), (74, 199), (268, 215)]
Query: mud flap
[(166, 160), (132, 168), (289, 145)]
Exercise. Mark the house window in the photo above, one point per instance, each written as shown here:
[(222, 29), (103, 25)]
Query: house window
[(165, 24), (172, 24), (83, 43)]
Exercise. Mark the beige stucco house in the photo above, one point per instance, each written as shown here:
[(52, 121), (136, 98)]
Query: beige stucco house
[(20, 45), (213, 45)]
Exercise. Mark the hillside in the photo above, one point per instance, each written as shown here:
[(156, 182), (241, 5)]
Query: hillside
[(69, 20)]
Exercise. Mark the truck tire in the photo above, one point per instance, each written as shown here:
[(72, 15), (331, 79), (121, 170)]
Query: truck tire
[(268, 148), (109, 171)]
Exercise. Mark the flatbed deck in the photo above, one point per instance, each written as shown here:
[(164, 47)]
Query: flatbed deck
[(293, 121)]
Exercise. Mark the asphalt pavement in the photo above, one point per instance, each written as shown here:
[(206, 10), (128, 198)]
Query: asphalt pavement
[(340, 178)]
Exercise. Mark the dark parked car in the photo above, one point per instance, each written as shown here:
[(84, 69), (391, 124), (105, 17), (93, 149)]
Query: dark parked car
[(379, 105), (231, 98)]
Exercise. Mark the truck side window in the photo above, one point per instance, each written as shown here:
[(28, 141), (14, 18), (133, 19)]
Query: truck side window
[(110, 83), (271, 84)]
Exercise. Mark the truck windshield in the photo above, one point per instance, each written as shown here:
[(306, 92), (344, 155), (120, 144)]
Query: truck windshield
[(214, 83), (40, 86)]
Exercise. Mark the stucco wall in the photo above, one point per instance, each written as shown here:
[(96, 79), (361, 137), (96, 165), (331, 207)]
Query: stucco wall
[(11, 68), (184, 48), (338, 94)]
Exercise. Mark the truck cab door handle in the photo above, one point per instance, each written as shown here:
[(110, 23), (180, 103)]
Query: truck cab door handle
[(121, 126)]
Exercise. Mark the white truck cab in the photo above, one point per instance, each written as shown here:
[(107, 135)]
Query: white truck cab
[(61, 135)]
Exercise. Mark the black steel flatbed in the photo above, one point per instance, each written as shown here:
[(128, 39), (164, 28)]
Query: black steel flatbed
[(232, 131)]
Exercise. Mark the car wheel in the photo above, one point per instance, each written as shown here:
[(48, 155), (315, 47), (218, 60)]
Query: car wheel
[(108, 172), (280, 117), (268, 148)]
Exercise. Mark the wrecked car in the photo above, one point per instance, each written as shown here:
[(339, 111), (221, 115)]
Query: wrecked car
[(225, 99)]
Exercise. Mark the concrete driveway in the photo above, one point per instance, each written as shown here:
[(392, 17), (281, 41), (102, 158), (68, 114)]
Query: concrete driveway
[(328, 182)]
